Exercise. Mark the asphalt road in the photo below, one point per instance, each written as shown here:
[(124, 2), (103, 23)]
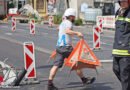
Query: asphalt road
[(11, 46), (46, 38)]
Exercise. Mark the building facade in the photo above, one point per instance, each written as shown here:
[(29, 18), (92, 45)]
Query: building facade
[(62, 5), (41, 6), (107, 6), (19, 3), (76, 4)]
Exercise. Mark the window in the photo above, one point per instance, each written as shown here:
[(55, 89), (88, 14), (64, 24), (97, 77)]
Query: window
[(40, 5)]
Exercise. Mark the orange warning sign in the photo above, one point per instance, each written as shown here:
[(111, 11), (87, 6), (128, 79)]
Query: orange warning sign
[(73, 56), (81, 65), (86, 55), (81, 57), (53, 54)]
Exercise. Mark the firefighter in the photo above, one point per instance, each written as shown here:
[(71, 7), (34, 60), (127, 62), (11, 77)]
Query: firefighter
[(121, 47), (64, 49)]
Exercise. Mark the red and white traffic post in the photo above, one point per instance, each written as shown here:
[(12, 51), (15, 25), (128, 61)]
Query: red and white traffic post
[(1, 77), (32, 26), (51, 21), (52, 2), (13, 24), (100, 25), (96, 37), (51, 18), (29, 60)]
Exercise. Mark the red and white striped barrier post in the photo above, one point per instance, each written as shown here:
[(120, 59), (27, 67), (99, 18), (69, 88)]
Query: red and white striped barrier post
[(52, 10), (51, 21), (1, 77), (51, 18), (13, 24), (52, 2), (100, 25), (96, 37), (32, 26), (29, 60)]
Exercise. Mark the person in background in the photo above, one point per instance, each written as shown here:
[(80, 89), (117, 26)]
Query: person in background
[(64, 48)]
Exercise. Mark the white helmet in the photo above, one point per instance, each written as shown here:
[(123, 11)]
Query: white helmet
[(70, 12)]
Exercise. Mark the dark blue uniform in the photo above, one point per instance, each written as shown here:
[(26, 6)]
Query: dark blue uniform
[(121, 48)]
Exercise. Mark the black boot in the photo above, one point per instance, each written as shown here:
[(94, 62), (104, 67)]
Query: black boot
[(52, 87), (88, 80)]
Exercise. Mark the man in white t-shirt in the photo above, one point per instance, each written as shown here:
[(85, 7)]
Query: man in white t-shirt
[(64, 48)]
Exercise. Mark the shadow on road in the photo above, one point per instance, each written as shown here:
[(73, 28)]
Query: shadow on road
[(95, 86), (44, 66)]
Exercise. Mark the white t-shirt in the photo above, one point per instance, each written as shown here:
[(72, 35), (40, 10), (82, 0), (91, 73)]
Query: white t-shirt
[(63, 38)]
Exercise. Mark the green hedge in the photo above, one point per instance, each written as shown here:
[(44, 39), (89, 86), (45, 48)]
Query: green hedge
[(78, 22), (57, 20), (33, 17)]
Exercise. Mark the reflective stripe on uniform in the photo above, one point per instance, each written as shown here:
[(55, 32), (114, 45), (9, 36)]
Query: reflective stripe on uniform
[(120, 52), (123, 19)]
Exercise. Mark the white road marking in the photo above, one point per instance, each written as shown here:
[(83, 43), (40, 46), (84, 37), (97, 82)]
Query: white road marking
[(21, 30), (21, 43), (44, 50), (9, 34), (108, 36), (106, 61), (44, 34), (4, 26), (106, 43)]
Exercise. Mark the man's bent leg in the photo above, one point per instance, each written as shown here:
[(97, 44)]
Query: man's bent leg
[(85, 80), (53, 71), (80, 73), (58, 62)]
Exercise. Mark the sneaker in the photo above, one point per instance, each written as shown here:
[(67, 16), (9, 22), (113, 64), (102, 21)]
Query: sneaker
[(52, 87), (89, 80)]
